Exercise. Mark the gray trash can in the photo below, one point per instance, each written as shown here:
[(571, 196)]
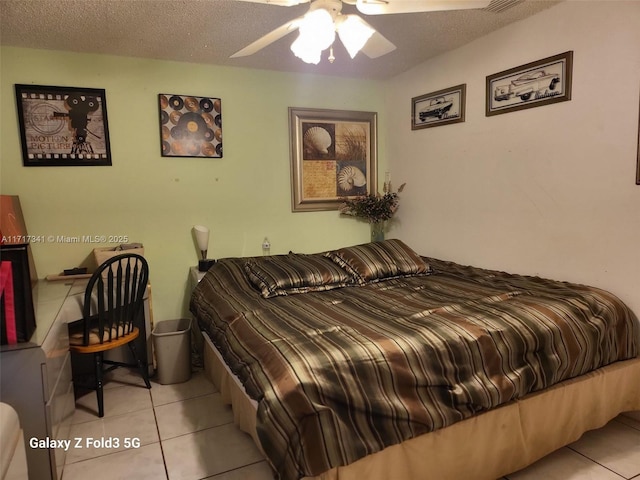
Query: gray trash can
[(172, 345)]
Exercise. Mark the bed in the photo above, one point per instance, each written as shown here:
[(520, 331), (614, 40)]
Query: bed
[(374, 362)]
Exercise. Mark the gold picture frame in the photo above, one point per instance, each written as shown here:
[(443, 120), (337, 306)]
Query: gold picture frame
[(333, 157)]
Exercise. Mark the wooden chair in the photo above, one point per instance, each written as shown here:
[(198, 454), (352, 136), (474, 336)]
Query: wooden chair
[(113, 305)]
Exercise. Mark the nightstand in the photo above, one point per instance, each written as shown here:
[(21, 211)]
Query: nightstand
[(195, 276)]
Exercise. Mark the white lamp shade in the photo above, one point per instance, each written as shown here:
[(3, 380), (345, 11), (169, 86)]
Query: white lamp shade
[(202, 238)]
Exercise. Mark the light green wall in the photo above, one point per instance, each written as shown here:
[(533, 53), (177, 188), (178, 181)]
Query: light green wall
[(155, 200)]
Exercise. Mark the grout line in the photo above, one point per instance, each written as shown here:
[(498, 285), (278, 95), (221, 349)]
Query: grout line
[(153, 408), (106, 455), (232, 470), (184, 399), (164, 460), (102, 420), (594, 461), (632, 422), (93, 394), (197, 431)]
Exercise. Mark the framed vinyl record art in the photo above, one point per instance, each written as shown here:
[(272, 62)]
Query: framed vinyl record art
[(63, 126), (190, 126)]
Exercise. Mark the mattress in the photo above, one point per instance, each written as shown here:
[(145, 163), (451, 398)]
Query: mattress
[(342, 373), (486, 446)]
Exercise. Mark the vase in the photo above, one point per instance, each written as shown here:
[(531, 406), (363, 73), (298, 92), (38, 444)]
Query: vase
[(377, 231)]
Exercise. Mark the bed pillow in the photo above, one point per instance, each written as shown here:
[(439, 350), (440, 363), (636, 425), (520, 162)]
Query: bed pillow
[(295, 273), (379, 260)]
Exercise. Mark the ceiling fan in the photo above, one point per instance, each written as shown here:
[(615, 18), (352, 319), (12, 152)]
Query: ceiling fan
[(318, 27)]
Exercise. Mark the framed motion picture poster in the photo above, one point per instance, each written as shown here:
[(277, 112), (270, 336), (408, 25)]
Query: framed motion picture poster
[(190, 126), (333, 157), (63, 126), (531, 85), (438, 108)]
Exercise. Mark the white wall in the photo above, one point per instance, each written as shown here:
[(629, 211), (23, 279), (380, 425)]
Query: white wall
[(547, 191)]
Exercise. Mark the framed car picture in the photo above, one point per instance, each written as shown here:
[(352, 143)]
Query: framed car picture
[(531, 85), (438, 108)]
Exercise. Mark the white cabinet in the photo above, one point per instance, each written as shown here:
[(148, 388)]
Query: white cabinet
[(35, 379), (36, 376)]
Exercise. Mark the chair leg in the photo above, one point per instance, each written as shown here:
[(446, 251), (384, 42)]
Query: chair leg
[(141, 366), (98, 366)]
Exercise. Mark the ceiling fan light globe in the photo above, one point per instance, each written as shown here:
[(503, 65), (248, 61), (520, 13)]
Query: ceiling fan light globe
[(354, 34), (306, 50), (317, 27)]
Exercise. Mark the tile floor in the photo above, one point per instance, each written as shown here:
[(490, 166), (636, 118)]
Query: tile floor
[(184, 432)]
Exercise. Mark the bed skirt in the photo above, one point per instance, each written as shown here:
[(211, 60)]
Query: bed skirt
[(485, 447)]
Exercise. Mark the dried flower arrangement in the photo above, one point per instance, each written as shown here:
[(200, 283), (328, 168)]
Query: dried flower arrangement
[(373, 208)]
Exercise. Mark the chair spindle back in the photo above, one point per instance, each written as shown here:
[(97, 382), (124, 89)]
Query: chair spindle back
[(114, 297)]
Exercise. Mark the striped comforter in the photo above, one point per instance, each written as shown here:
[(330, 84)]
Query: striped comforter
[(344, 373)]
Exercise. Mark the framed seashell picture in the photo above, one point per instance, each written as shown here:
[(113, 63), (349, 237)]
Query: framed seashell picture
[(333, 157), (190, 126)]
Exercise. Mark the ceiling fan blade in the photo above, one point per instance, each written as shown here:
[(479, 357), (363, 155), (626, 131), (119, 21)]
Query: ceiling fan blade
[(284, 3), (377, 46), (384, 7), (268, 39), (352, 31)]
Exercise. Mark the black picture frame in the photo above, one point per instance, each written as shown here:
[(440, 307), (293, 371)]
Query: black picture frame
[(530, 85), (190, 126), (442, 107), (63, 126)]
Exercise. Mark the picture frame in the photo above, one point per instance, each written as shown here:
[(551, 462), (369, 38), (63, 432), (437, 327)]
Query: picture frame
[(63, 126), (190, 126), (442, 107), (333, 157), (638, 155), (530, 85)]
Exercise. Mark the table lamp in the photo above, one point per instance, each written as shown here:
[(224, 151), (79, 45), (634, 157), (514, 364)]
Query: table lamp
[(202, 239)]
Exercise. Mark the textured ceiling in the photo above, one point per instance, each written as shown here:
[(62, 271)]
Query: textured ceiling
[(209, 31)]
